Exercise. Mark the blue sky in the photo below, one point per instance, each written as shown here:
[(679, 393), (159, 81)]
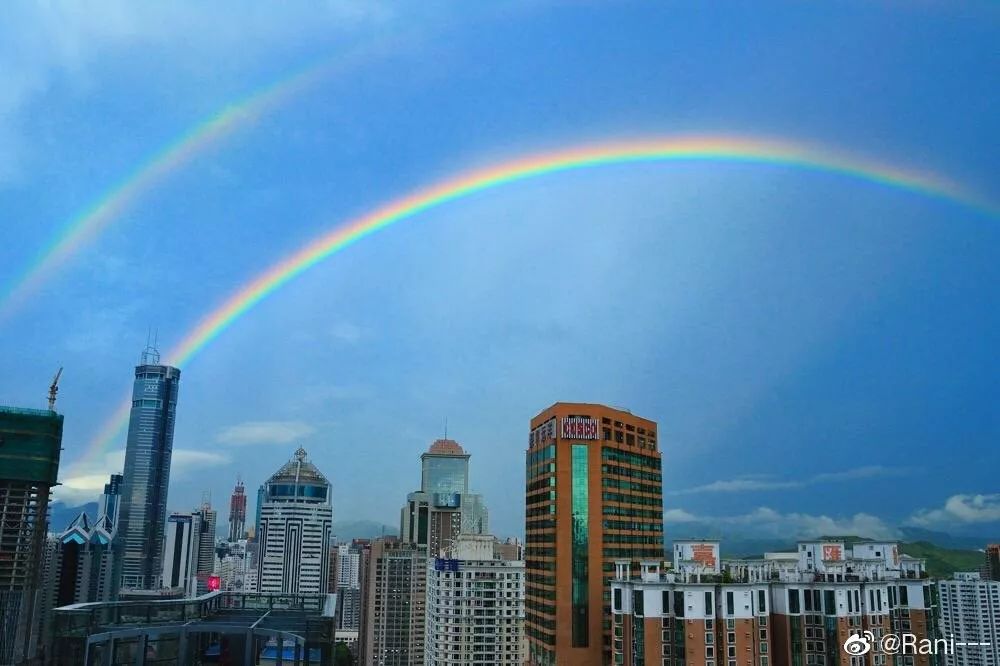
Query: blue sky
[(820, 352)]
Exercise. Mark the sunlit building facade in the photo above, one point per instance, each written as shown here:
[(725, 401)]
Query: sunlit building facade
[(594, 496)]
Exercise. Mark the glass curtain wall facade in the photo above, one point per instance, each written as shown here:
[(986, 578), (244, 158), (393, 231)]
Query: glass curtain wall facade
[(581, 541), (147, 471)]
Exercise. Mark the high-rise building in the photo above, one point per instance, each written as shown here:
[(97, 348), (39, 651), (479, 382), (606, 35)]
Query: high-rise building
[(787, 609), (475, 606), (180, 557), (296, 520), (147, 471), (234, 565), (443, 508), (594, 495), (348, 566), (30, 443), (348, 579), (206, 546), (395, 604), (238, 513), (79, 561), (970, 614), (991, 566)]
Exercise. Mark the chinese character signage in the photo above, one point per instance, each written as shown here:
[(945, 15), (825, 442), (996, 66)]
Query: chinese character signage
[(579, 428)]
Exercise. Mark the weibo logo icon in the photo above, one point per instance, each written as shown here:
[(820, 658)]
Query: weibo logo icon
[(859, 644)]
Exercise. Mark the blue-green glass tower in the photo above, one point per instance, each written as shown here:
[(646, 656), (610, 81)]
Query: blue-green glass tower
[(147, 471)]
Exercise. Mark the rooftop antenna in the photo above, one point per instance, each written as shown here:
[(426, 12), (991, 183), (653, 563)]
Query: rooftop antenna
[(446, 427), (54, 389), (150, 355)]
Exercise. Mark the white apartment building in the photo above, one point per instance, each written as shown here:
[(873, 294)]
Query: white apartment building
[(970, 613), (348, 567), (296, 519), (475, 606)]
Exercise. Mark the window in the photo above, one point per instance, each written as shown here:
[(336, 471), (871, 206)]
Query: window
[(678, 604), (708, 603), (579, 566), (904, 596), (709, 651), (617, 603), (793, 601), (709, 638), (637, 599), (730, 604)]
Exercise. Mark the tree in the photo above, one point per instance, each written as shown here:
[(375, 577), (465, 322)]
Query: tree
[(342, 655)]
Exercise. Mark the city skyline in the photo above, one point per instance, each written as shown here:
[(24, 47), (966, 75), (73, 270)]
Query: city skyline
[(809, 343)]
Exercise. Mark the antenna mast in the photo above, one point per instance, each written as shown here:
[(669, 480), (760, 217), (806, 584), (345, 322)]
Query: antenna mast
[(54, 389)]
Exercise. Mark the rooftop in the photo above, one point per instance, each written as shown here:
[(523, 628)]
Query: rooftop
[(446, 447), (299, 470)]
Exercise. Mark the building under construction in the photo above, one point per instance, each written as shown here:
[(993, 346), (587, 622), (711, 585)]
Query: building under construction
[(30, 442)]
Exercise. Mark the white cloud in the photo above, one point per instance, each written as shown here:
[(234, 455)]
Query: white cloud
[(757, 483), (264, 432), (88, 481), (764, 521), (346, 332), (961, 509), (185, 460), (42, 43), (678, 516)]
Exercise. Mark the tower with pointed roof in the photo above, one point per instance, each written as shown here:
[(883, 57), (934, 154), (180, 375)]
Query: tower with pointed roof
[(296, 522)]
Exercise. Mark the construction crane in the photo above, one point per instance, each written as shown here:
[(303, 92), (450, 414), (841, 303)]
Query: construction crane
[(54, 389)]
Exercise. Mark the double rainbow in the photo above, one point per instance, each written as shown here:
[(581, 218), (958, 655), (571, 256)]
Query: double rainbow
[(152, 171), (727, 149)]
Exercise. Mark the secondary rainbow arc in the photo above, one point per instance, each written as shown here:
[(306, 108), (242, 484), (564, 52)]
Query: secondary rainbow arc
[(687, 148), (183, 149)]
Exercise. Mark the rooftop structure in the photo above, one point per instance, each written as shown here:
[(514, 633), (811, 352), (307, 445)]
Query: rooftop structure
[(782, 609), (243, 628)]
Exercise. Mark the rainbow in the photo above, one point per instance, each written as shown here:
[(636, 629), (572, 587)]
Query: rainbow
[(87, 224), (678, 149)]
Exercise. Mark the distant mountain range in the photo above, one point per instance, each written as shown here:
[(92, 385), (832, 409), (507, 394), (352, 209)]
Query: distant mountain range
[(345, 530), (945, 553), (60, 515)]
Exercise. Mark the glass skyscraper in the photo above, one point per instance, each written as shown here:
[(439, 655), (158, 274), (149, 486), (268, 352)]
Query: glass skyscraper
[(443, 508), (147, 471)]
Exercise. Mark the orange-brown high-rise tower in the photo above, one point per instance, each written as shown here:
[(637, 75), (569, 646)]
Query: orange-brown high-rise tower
[(594, 494)]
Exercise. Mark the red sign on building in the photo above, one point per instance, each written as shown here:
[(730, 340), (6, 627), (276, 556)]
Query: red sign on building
[(579, 428)]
